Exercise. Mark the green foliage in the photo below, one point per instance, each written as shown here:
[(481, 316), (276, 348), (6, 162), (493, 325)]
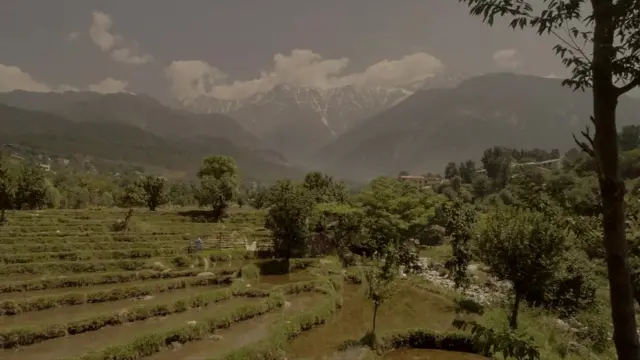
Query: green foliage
[(153, 190), (394, 218), (337, 227), (506, 343), (379, 276), (323, 188), (288, 218), (458, 221), (451, 171), (219, 183), (7, 188), (526, 248), (259, 197), (31, 188), (629, 137)]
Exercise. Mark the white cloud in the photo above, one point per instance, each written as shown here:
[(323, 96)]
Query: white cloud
[(506, 58), (72, 36), (121, 50), (404, 71), (13, 78), (109, 85), (190, 78), (303, 68)]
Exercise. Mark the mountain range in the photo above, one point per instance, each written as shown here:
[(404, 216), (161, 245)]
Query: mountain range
[(134, 129), (435, 126), (299, 121), (351, 133)]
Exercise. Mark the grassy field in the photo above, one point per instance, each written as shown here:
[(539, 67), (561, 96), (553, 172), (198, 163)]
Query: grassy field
[(71, 288)]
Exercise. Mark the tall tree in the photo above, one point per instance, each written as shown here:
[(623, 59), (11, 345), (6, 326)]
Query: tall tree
[(7, 189), (219, 183), (599, 40), (523, 247), (323, 188), (154, 191), (288, 218), (451, 170), (497, 163), (630, 137), (31, 190)]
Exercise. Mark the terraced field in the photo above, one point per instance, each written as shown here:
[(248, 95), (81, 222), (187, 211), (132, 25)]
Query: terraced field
[(73, 289)]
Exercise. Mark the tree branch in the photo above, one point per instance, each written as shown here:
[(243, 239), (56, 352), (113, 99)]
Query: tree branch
[(621, 90), (587, 147)]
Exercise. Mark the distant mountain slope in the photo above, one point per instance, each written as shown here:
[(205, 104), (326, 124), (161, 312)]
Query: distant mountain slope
[(432, 127), (297, 121), (130, 144), (137, 110)]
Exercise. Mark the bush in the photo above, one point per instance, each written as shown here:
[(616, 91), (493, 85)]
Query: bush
[(427, 339), (180, 261)]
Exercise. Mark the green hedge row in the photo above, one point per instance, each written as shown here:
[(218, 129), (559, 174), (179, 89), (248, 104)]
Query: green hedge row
[(18, 306), (429, 339), (76, 267), (98, 279), (12, 338), (140, 253)]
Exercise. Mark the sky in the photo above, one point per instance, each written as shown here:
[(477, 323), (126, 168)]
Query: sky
[(233, 49)]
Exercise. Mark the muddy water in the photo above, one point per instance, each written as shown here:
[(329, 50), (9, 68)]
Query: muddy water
[(420, 354), (408, 308), (238, 335), (82, 289), (77, 345), (76, 312)]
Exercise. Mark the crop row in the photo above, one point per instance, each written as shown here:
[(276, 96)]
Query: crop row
[(27, 336), (86, 246), (94, 279), (76, 267), (19, 306), (288, 328), (141, 253), (147, 345), (164, 230), (53, 238)]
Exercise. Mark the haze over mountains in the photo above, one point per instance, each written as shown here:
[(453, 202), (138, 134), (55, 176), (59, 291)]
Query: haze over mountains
[(299, 120), (348, 132)]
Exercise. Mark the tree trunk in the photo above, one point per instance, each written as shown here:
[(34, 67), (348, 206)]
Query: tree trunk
[(3, 216), (605, 146), (375, 316), (513, 320)]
